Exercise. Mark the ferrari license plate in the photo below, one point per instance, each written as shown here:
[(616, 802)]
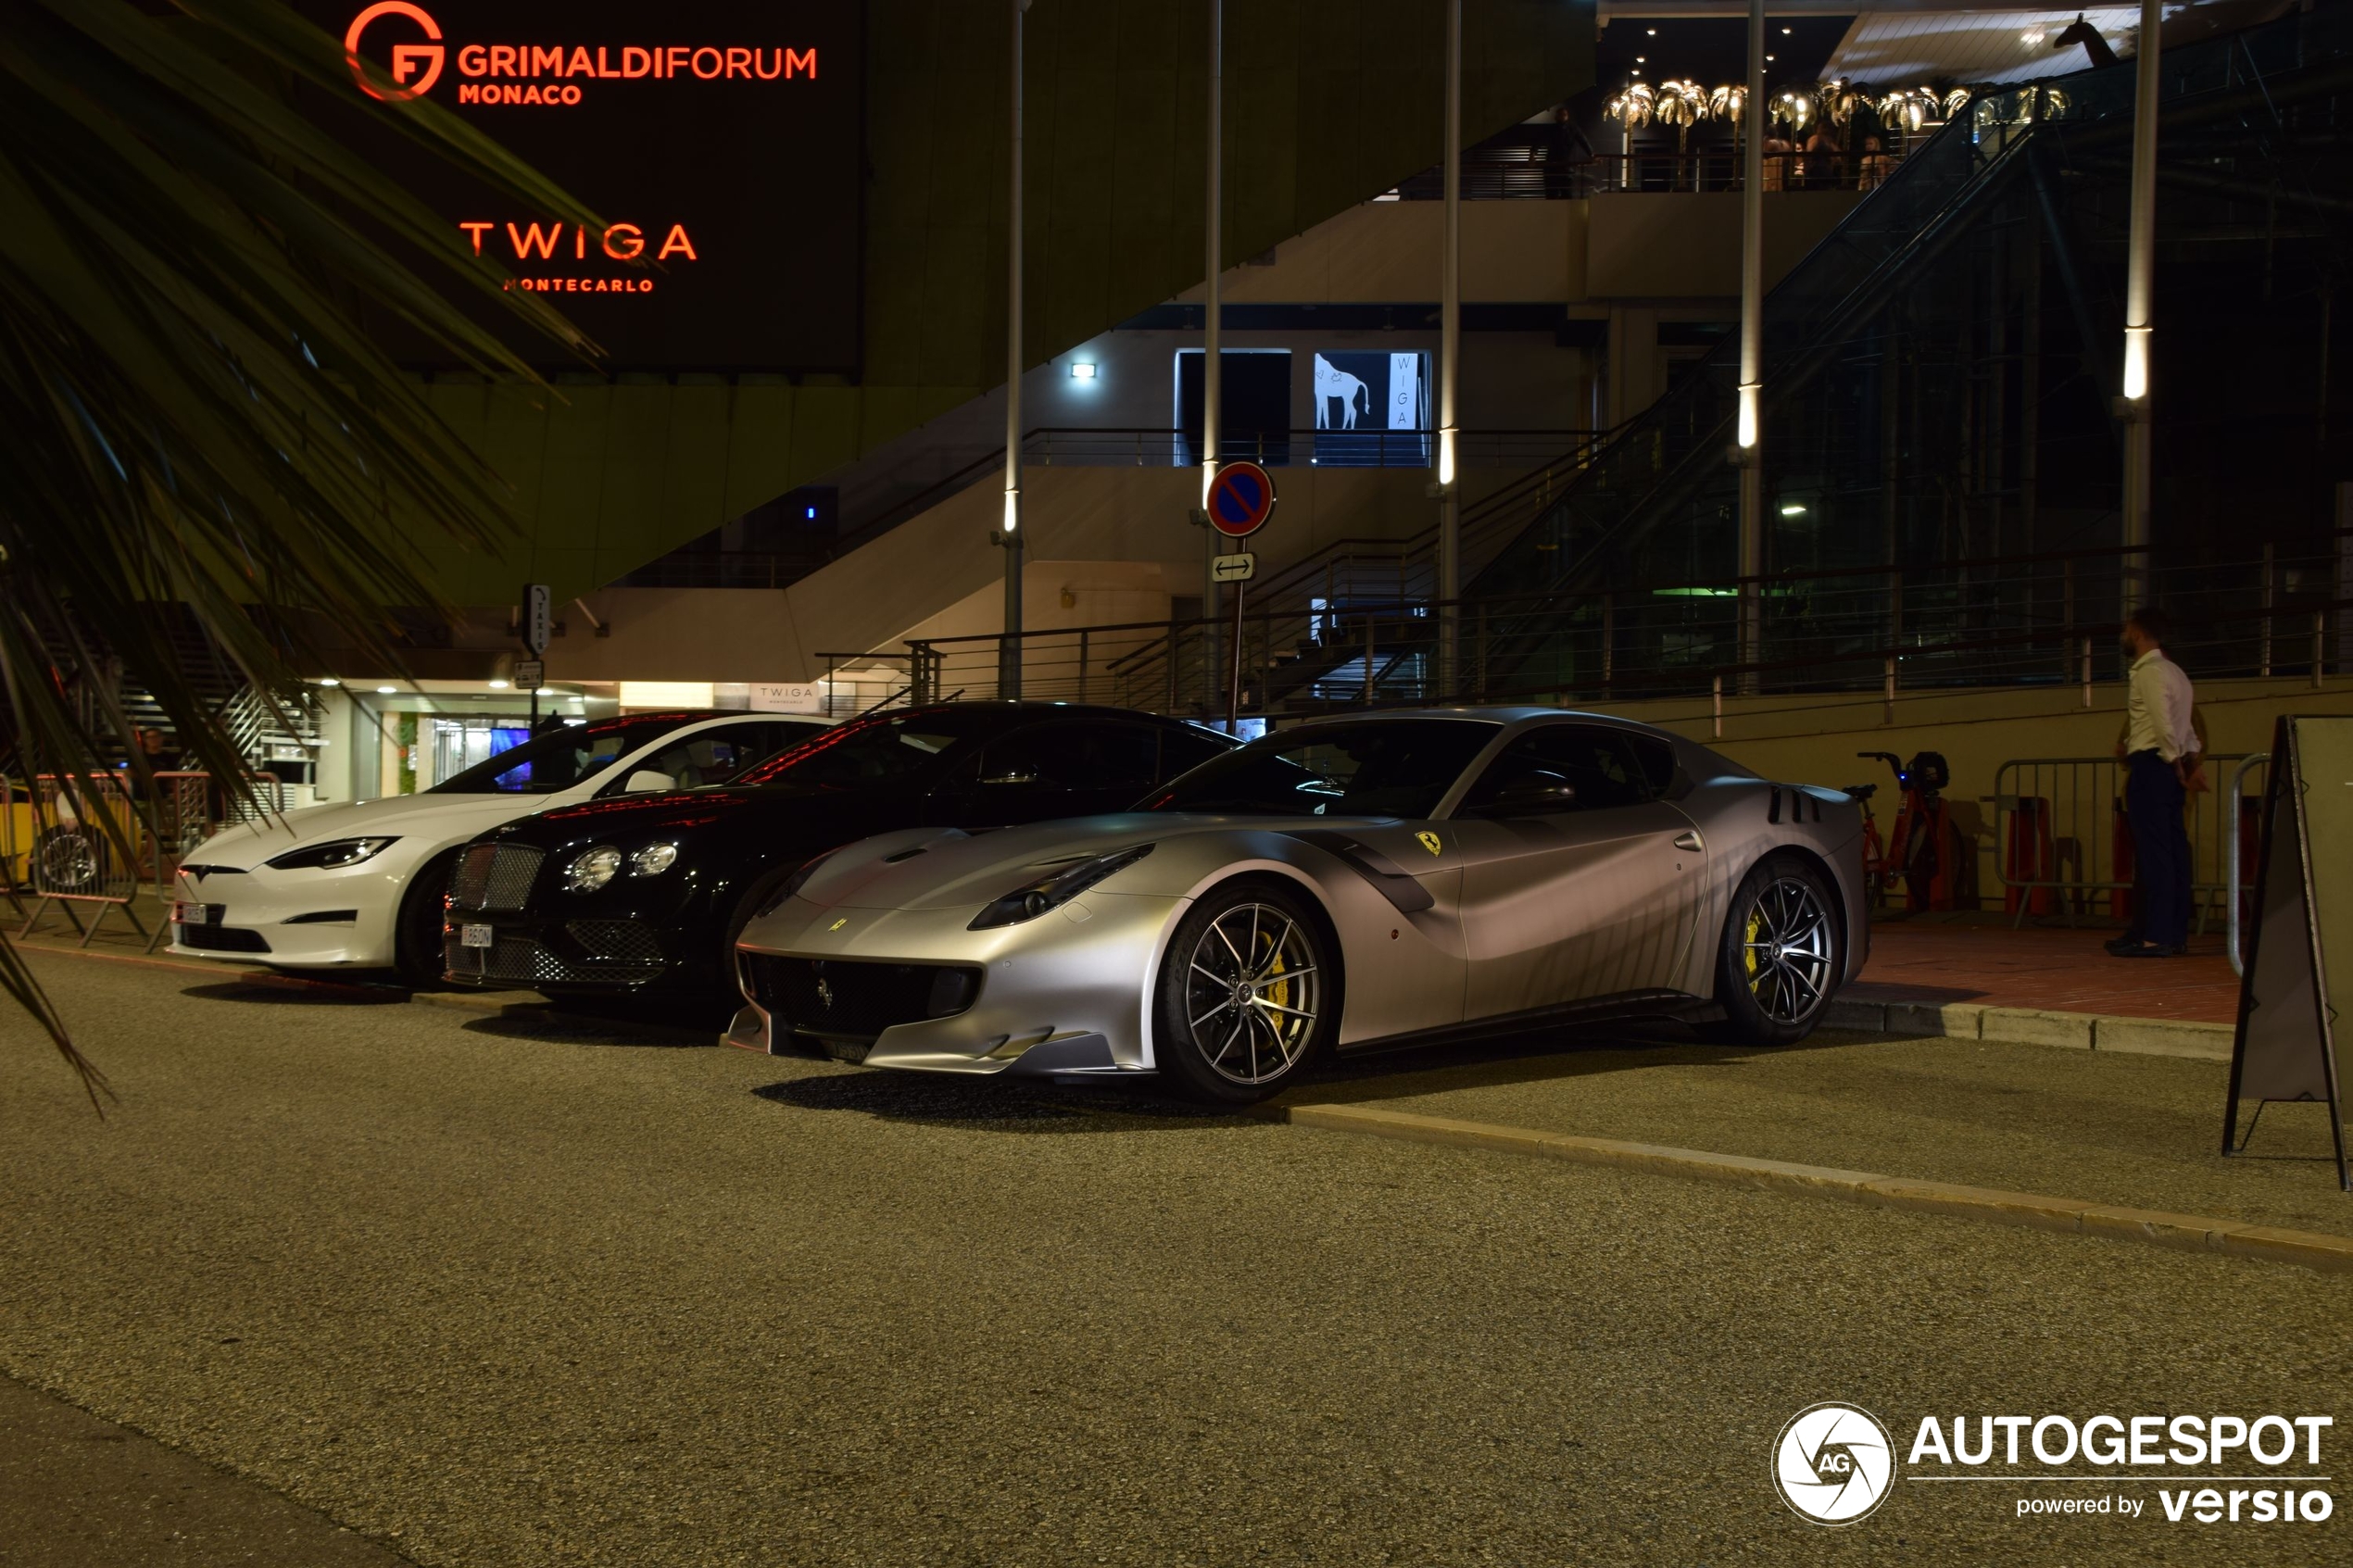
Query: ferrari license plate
[(475, 936), (198, 914)]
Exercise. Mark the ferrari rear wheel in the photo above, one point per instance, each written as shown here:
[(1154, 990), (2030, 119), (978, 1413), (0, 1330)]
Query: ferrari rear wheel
[(1782, 955), (1247, 997)]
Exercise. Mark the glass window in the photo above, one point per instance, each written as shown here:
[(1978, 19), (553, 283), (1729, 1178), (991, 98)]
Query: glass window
[(887, 748), (1075, 756), (1389, 768), (1183, 749), (560, 760), (714, 755), (1600, 764)]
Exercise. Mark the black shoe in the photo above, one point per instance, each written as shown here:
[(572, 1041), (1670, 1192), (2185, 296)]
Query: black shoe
[(2121, 945), (2147, 950)]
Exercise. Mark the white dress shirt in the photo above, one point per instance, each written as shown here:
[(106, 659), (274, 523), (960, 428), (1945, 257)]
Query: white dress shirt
[(2157, 707)]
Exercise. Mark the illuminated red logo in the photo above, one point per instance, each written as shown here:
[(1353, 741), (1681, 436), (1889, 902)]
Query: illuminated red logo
[(408, 59)]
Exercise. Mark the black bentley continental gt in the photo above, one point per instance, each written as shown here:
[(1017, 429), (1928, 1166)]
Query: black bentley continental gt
[(646, 892)]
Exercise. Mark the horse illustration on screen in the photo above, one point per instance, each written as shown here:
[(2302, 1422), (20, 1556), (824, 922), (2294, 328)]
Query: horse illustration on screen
[(1333, 383)]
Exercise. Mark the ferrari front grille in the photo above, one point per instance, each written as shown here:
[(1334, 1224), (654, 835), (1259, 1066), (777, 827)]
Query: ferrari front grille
[(854, 999)]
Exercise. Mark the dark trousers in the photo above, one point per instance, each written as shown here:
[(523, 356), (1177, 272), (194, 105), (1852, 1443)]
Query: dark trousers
[(2153, 800)]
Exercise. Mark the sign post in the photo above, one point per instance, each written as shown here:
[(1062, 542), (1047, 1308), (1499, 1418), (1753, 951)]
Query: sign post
[(538, 620), (1240, 500), (2286, 1049)]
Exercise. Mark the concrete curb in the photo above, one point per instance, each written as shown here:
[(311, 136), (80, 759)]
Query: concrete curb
[(2032, 1026), (2187, 1233)]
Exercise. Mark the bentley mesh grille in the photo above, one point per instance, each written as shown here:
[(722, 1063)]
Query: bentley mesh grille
[(521, 961), (848, 999), (616, 941), (495, 877)]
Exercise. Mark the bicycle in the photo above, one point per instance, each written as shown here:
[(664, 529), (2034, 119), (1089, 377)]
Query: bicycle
[(1918, 848)]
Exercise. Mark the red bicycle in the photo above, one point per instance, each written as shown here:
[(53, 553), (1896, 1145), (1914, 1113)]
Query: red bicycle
[(1921, 848)]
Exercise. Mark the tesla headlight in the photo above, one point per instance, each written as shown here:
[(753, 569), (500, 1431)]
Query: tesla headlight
[(653, 859), (591, 869), (1057, 887), (332, 857)]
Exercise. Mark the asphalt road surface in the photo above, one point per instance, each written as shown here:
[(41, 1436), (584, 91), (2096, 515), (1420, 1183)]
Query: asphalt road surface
[(502, 1292)]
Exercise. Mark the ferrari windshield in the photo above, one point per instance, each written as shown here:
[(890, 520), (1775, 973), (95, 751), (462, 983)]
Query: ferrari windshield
[(1386, 768), (887, 748), (558, 760)]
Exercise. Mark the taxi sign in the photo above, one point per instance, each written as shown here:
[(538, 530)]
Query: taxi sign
[(1240, 499)]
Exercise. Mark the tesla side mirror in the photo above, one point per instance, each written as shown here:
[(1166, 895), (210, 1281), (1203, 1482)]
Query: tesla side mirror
[(647, 781)]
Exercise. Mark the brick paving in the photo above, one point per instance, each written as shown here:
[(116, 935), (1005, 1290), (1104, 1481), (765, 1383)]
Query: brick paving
[(1960, 960)]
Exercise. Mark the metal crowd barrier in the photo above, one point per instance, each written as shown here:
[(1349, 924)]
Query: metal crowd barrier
[(2062, 844), (53, 843), (70, 857)]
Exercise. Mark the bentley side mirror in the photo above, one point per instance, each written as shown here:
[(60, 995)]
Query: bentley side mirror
[(645, 781)]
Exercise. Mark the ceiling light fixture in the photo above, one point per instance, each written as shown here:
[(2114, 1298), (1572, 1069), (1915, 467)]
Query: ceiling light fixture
[(497, 686)]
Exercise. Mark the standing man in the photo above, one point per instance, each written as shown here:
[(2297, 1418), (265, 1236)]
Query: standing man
[(2161, 757)]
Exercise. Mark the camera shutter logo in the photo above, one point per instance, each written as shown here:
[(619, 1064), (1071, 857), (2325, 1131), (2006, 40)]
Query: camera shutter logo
[(1833, 1463)]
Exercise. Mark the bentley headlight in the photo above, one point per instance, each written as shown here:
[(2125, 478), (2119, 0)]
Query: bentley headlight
[(653, 859), (332, 857), (1059, 886), (591, 869)]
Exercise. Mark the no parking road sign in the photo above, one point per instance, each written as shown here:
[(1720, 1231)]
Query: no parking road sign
[(1240, 499)]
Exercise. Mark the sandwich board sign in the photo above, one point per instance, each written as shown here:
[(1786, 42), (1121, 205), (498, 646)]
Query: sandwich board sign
[(2298, 983)]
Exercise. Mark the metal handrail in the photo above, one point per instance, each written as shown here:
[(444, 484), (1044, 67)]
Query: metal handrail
[(2231, 858)]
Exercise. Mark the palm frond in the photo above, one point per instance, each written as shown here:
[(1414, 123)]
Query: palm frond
[(192, 411)]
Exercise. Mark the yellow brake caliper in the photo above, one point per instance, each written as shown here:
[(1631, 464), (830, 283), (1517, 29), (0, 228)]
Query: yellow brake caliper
[(1748, 946), (1280, 996)]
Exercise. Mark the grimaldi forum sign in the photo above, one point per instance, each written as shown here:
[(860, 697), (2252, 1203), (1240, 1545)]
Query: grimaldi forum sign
[(719, 141)]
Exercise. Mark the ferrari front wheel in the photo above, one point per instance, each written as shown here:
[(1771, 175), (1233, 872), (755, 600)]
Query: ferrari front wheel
[(1247, 995), (1781, 956)]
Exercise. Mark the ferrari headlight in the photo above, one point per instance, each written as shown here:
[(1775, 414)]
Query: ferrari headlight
[(653, 859), (1057, 887), (332, 857), (591, 869)]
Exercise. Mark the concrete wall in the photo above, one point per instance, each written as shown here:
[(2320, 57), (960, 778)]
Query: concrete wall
[(1814, 739), (1091, 529), (1674, 245)]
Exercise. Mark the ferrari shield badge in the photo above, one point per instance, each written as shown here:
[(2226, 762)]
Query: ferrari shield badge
[(1429, 842)]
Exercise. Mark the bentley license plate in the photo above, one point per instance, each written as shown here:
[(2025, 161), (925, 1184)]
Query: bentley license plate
[(474, 936)]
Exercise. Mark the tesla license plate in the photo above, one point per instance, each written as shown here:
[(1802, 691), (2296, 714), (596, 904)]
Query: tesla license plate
[(198, 914), (474, 936)]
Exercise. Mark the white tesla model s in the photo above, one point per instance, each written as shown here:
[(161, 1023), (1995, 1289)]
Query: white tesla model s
[(360, 886)]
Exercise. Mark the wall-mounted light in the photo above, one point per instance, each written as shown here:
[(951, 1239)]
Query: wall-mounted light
[(1794, 510), (2137, 362), (1082, 369)]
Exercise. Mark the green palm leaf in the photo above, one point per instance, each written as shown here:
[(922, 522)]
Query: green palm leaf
[(191, 411)]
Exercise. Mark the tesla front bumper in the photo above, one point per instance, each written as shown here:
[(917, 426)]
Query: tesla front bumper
[(1066, 995), (295, 920)]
